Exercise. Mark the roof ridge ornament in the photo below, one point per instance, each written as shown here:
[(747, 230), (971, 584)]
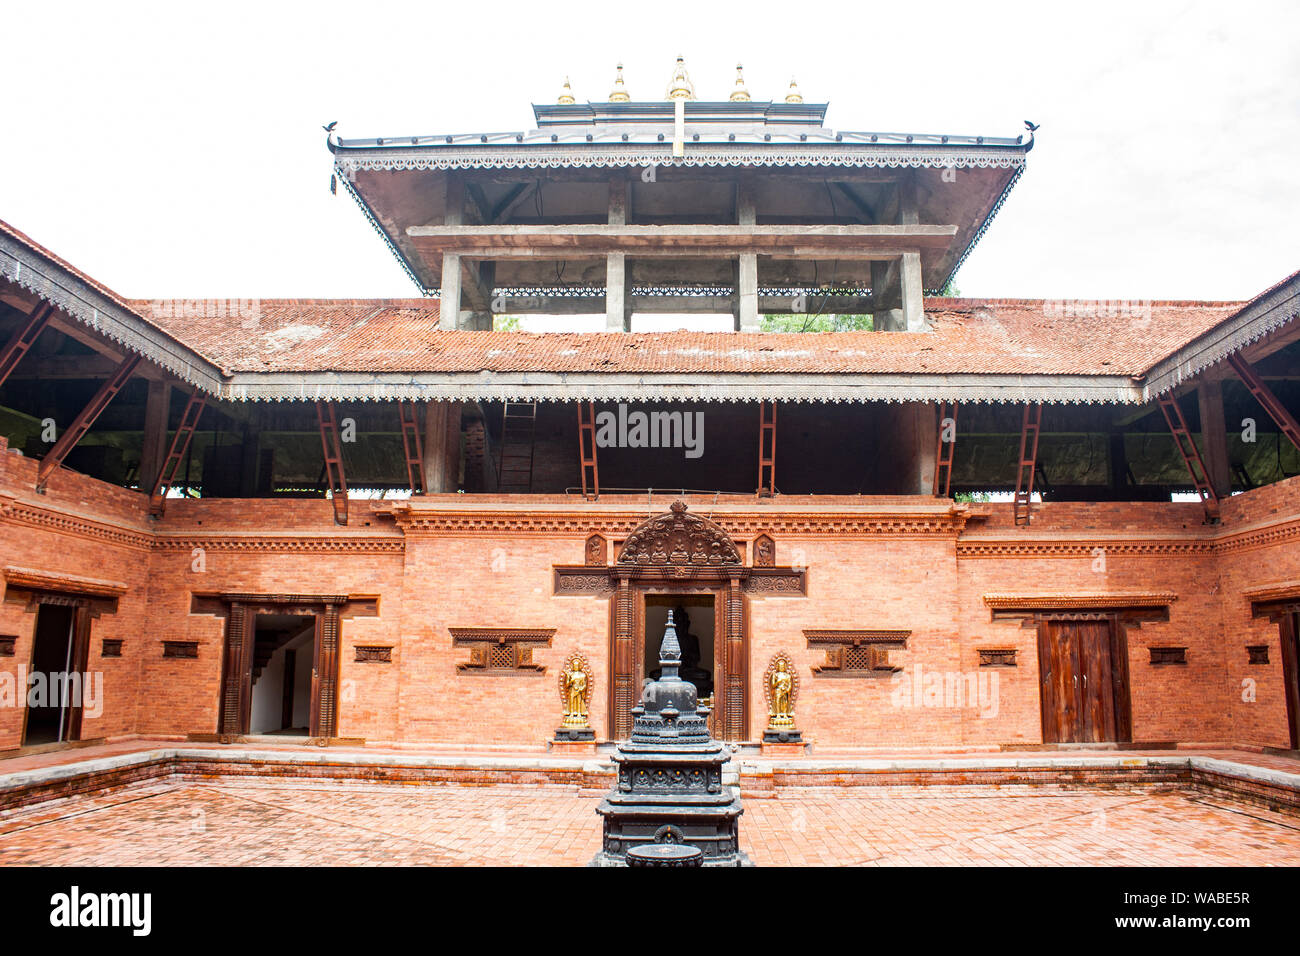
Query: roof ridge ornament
[(566, 95), (793, 95), (680, 89), (740, 94), (619, 93)]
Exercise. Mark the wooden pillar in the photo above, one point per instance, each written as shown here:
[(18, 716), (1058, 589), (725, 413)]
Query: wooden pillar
[(1214, 436), (451, 447), (734, 721), (435, 447), (154, 446), (926, 444), (325, 675), (623, 692)]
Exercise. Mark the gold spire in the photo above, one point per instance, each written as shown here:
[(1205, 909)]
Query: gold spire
[(740, 94), (619, 93), (680, 86), (566, 94), (793, 95)]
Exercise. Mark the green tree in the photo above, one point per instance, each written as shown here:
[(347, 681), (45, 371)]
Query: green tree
[(811, 322)]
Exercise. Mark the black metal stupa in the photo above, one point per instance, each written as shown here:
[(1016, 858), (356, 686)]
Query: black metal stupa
[(669, 787)]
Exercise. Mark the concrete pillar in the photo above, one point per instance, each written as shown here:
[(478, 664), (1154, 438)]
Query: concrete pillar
[(449, 304), (886, 297), (1214, 436), (618, 311), (913, 294), (154, 447), (747, 293)]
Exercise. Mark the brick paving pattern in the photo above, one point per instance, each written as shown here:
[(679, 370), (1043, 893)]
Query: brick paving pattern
[(359, 824)]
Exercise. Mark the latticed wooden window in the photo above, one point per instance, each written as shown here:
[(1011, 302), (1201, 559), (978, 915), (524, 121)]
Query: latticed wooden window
[(503, 651), (859, 653), (860, 658)]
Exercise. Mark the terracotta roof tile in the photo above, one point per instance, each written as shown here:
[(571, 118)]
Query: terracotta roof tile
[(987, 336)]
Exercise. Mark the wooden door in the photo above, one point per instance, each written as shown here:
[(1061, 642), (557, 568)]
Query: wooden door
[(80, 657), (1083, 674), (1289, 626)]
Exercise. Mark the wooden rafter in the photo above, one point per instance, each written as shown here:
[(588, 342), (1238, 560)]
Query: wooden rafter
[(23, 340), (82, 423), (1284, 420)]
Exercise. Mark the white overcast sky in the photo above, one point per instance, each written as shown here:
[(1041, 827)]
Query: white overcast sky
[(176, 150)]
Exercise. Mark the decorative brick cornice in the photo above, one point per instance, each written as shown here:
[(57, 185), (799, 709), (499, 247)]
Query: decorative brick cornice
[(1080, 599), (35, 580), (296, 544), (1040, 548), (51, 520), (1258, 537)]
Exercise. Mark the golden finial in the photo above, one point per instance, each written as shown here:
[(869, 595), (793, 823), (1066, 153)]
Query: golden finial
[(680, 86), (619, 93), (740, 94), (566, 94), (793, 95)]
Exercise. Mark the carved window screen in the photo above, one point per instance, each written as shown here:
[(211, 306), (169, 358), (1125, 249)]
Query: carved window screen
[(858, 653), (501, 650)]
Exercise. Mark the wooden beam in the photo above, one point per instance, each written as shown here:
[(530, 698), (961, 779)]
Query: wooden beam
[(23, 339), (82, 423), (154, 441), (1214, 436)]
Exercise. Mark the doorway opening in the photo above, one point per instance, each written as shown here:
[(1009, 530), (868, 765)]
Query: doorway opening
[(694, 621), (1083, 669), (53, 698), (284, 647)]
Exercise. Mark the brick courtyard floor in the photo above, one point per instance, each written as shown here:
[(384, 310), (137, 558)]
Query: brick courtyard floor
[(241, 822)]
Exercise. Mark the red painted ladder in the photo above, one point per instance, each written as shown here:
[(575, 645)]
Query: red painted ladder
[(179, 453), (587, 449), (766, 449), (1191, 455), (1022, 504), (333, 450), (412, 446), (944, 452)]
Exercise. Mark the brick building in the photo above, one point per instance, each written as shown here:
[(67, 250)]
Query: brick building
[(979, 522)]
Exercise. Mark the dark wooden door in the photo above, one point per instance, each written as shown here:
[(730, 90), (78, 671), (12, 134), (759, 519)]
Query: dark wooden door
[(1289, 626), (1084, 681)]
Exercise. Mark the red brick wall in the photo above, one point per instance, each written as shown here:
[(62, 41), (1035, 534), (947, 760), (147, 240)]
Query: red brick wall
[(488, 562)]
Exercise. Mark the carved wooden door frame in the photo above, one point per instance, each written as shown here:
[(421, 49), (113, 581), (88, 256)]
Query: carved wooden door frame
[(240, 611)]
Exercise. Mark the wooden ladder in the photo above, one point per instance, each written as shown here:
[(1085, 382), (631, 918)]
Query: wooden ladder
[(766, 449), (1191, 455), (412, 446), (518, 434), (179, 453), (944, 452), (587, 449), (1022, 504), (333, 450)]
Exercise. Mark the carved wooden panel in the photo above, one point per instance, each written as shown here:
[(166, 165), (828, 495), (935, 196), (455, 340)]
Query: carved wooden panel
[(679, 539), (374, 655), (501, 650), (237, 650), (596, 551), (764, 552), (857, 653), (623, 689), (997, 656), (325, 675)]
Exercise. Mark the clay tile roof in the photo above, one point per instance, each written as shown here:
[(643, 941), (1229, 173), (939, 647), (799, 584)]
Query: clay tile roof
[(985, 336)]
